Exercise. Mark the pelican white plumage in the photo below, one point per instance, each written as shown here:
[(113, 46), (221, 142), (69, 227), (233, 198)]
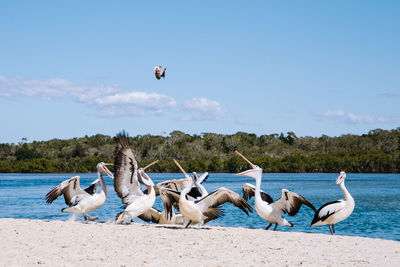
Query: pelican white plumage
[(126, 182), (206, 208), (266, 208), (80, 200), (335, 211), (159, 72)]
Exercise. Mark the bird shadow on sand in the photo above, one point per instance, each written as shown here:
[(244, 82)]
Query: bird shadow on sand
[(174, 227)]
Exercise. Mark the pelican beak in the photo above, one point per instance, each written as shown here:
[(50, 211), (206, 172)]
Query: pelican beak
[(105, 170), (248, 161), (249, 173), (182, 170), (145, 178), (151, 164)]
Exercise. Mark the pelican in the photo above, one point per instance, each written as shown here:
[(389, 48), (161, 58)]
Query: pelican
[(266, 208), (80, 200), (126, 182), (206, 208), (164, 217), (159, 72), (335, 211)]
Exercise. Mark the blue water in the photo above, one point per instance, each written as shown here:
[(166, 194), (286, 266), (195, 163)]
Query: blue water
[(377, 198)]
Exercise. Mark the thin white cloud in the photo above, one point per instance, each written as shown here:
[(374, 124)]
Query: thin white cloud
[(201, 109), (134, 104), (363, 118), (349, 117), (52, 88), (108, 100)]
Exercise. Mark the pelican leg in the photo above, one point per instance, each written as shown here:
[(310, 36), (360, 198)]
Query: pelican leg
[(187, 225), (276, 225), (268, 226), (85, 216), (331, 229), (121, 217)]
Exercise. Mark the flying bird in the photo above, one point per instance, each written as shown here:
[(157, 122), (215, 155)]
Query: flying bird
[(335, 211), (159, 72), (266, 208)]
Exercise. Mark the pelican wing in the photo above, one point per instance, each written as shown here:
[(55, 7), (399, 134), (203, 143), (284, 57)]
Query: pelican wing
[(221, 196), (151, 215), (291, 202), (327, 210), (71, 189), (169, 198), (212, 214), (169, 184), (203, 178), (166, 184), (92, 189), (194, 193), (249, 192), (126, 182)]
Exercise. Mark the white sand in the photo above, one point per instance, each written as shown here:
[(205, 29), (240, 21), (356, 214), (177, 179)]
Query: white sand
[(57, 243)]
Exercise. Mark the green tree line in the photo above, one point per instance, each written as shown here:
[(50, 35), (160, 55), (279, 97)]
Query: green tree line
[(376, 151)]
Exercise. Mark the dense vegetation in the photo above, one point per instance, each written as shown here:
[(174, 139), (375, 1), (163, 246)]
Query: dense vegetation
[(377, 151)]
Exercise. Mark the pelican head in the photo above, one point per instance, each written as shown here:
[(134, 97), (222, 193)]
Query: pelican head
[(341, 177), (254, 172), (143, 177), (195, 177), (102, 168)]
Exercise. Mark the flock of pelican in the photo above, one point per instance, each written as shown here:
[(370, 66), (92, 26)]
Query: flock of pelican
[(186, 201)]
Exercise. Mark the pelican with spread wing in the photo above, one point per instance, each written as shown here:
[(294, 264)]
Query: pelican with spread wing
[(127, 181), (80, 200), (290, 202)]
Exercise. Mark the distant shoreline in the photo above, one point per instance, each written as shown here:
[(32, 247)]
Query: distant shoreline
[(375, 152), (50, 243), (73, 173)]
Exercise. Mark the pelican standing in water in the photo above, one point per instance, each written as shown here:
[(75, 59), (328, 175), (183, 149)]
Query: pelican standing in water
[(80, 200), (206, 208), (335, 211), (266, 208), (126, 182)]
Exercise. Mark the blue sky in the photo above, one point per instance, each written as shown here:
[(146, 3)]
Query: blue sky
[(75, 68)]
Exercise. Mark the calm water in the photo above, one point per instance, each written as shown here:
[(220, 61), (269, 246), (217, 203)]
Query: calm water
[(377, 198)]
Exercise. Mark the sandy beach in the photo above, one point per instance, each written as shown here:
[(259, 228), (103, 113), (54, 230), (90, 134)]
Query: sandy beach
[(59, 243)]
